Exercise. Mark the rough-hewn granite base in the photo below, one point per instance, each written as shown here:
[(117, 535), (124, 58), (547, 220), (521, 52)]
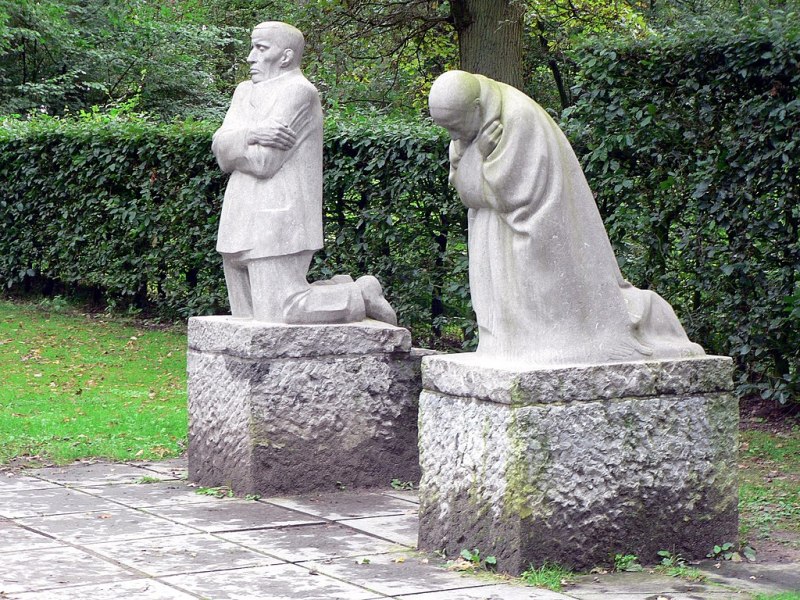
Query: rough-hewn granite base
[(297, 408), (575, 465)]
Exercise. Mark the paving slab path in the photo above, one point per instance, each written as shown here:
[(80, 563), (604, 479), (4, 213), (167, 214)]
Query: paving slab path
[(97, 531)]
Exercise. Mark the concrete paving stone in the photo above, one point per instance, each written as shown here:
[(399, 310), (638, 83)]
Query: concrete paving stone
[(12, 482), (635, 586), (143, 495), (346, 505), (279, 582), (140, 589), (400, 529), (14, 538), (174, 468), (49, 501), (491, 592), (109, 526), (312, 542), (232, 515), (95, 473), (407, 495), (754, 577), (41, 569), (396, 574), (180, 554), (166, 535), (720, 595)]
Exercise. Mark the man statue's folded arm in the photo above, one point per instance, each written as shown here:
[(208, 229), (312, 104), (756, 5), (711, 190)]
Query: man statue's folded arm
[(265, 161), (229, 146)]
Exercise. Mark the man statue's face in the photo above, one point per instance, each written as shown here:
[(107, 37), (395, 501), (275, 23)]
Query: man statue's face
[(267, 58)]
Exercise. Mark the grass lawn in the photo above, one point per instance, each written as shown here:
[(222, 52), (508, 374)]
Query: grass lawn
[(769, 486), (77, 386)]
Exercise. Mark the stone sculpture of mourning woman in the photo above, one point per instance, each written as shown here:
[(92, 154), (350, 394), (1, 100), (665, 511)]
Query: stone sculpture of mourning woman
[(544, 281)]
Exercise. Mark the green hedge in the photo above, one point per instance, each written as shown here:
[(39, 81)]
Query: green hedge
[(390, 211), (126, 211), (691, 141)]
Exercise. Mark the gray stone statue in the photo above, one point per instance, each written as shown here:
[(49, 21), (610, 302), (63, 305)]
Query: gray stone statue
[(271, 223), (544, 281)]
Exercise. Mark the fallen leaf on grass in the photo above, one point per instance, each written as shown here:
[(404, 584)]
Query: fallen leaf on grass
[(159, 451)]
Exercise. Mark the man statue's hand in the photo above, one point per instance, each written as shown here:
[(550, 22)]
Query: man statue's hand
[(272, 134), (490, 137)]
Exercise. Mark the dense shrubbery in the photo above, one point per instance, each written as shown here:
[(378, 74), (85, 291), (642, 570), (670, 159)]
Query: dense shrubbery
[(126, 211), (692, 142), (689, 139), (122, 210), (390, 211)]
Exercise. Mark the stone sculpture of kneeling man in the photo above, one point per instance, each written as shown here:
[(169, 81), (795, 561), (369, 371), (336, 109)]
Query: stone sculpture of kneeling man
[(271, 223), (544, 281)]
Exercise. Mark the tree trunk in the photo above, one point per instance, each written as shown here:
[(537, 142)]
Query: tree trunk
[(490, 38), (563, 93)]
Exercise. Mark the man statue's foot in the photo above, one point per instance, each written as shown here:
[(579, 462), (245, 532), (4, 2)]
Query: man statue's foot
[(376, 305)]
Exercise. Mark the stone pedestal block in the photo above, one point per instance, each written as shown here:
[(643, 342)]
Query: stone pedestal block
[(575, 465), (298, 408)]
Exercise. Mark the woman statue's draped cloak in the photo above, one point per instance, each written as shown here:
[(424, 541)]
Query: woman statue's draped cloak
[(544, 281)]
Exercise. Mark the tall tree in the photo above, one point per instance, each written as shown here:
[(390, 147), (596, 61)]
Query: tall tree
[(490, 38), (61, 56), (513, 41), (489, 33), (554, 27)]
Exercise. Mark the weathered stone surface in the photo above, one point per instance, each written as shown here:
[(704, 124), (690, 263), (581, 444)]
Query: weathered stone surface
[(220, 449), (577, 482), (276, 408), (253, 339), (466, 375)]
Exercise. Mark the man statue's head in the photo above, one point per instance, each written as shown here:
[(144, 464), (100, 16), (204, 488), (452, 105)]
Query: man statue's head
[(276, 48), (455, 104)]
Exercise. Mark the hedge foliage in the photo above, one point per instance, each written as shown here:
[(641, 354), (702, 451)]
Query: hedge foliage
[(691, 141), (126, 211), (123, 210)]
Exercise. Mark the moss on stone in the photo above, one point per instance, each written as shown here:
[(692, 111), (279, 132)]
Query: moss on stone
[(521, 484)]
